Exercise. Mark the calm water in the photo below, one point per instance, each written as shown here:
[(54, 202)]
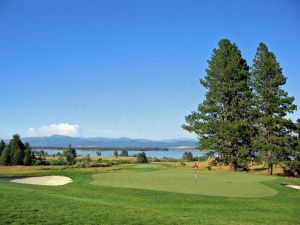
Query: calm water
[(172, 153)]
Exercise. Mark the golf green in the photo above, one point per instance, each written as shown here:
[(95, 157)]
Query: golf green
[(211, 183)]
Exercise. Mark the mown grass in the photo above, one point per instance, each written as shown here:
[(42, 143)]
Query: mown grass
[(181, 180), (81, 202)]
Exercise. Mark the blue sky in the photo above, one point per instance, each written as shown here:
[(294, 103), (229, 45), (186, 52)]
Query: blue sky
[(126, 68)]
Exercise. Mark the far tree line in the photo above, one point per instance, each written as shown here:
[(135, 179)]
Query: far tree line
[(18, 153), (104, 148), (243, 117)]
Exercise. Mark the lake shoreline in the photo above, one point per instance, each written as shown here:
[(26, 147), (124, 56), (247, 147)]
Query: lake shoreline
[(170, 153)]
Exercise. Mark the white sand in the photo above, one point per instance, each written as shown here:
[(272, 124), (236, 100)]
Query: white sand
[(293, 186), (46, 180)]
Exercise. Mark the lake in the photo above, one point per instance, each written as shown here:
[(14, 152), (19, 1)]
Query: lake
[(172, 153)]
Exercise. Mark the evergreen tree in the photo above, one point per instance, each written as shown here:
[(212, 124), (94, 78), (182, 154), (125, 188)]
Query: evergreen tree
[(17, 150), (116, 154), (28, 158), (188, 156), (124, 153), (70, 154), (296, 155), (2, 146), (141, 158), (5, 159), (291, 161), (88, 158), (273, 104), (223, 122), (17, 158)]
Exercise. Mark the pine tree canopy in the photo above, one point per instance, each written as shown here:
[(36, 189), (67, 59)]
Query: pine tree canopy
[(70, 154), (2, 146), (223, 119), (14, 152), (273, 103)]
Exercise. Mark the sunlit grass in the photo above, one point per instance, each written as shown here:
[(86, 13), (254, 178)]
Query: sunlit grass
[(81, 202)]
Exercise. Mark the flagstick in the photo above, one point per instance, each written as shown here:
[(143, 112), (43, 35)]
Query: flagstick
[(195, 172)]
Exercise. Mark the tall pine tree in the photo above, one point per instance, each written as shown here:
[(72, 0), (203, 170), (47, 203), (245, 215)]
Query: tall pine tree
[(273, 104), (2, 146), (17, 149), (5, 158), (70, 154), (223, 120), (292, 164), (28, 155), (16, 152)]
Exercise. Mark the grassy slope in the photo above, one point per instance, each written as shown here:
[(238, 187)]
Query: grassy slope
[(83, 203)]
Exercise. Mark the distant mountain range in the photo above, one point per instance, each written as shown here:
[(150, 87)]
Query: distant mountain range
[(63, 141)]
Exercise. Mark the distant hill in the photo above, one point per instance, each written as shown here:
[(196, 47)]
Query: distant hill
[(63, 141)]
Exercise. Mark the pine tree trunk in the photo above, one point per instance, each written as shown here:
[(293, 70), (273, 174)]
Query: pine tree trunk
[(270, 165), (270, 169), (233, 166)]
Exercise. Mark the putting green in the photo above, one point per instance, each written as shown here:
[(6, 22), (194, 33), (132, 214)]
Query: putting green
[(181, 180)]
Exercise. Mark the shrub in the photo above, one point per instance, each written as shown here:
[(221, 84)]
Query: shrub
[(99, 159), (41, 162), (88, 158), (141, 158), (58, 162), (153, 159), (84, 164), (70, 154), (124, 153), (165, 159), (187, 156), (116, 154)]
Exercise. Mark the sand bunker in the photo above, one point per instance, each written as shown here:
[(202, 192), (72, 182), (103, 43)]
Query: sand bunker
[(293, 186), (46, 180)]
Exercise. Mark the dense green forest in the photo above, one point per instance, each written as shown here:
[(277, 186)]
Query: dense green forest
[(243, 117)]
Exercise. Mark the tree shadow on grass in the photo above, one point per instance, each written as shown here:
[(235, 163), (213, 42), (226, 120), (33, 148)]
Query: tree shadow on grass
[(12, 178), (260, 169)]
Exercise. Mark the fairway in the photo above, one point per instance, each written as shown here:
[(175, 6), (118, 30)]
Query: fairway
[(150, 194), (209, 183)]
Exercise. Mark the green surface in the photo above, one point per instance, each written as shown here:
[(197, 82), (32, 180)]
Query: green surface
[(225, 184), (81, 202)]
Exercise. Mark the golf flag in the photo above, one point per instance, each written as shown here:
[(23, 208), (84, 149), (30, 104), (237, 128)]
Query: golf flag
[(195, 169)]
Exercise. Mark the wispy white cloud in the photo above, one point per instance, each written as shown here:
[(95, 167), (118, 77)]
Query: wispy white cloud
[(61, 129)]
